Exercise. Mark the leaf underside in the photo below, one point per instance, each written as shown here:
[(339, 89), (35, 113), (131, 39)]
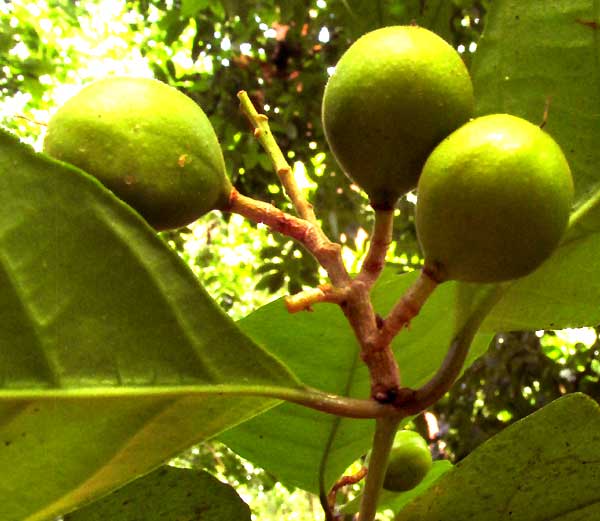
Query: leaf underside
[(533, 55), (546, 466), (168, 494), (102, 325)]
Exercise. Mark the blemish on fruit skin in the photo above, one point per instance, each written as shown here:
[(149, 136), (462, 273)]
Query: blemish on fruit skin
[(592, 24), (183, 160), (154, 104)]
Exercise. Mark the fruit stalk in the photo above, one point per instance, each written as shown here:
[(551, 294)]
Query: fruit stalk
[(408, 306), (378, 247), (262, 132)]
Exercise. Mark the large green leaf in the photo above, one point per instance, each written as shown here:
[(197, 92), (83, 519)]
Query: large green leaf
[(546, 466), (112, 357), (532, 52), (297, 445), (168, 494)]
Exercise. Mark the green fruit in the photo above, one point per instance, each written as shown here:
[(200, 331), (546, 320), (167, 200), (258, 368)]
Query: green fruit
[(394, 95), (493, 201), (410, 461), (147, 142)]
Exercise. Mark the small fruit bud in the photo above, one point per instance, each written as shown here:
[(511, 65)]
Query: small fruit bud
[(410, 461)]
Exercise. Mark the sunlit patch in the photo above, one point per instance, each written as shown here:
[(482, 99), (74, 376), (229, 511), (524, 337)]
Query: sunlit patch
[(433, 428), (323, 35), (562, 344), (302, 179)]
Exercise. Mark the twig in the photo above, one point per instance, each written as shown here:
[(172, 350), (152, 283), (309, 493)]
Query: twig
[(332, 403), (35, 122), (408, 306), (380, 242), (304, 300), (327, 253), (344, 481), (546, 112), (383, 440), (263, 133)]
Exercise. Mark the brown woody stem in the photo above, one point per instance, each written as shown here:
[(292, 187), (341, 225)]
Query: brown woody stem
[(304, 300), (377, 355), (327, 253), (408, 306), (380, 242), (262, 132), (344, 481)]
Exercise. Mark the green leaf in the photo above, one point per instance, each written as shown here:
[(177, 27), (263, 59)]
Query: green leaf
[(190, 8), (173, 25), (236, 8), (532, 53), (358, 17), (113, 357), (168, 494), (545, 466), (563, 293), (296, 444), (396, 501)]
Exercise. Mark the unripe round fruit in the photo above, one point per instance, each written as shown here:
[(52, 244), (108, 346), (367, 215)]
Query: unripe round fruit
[(394, 95), (493, 201), (410, 461), (147, 142)]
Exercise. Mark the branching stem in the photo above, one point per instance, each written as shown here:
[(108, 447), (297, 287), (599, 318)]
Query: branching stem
[(262, 132), (408, 306), (389, 403), (327, 253), (378, 356)]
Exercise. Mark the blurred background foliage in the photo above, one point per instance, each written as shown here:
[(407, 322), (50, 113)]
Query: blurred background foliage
[(281, 52)]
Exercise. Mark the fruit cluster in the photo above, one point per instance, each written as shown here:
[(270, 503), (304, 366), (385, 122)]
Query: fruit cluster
[(494, 192)]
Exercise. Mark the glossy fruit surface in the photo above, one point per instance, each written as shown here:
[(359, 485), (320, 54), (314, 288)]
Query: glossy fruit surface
[(410, 461), (493, 201), (150, 144), (394, 95)]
